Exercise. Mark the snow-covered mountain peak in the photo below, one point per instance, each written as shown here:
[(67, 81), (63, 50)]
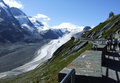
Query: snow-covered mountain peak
[(69, 27), (23, 19), (20, 27)]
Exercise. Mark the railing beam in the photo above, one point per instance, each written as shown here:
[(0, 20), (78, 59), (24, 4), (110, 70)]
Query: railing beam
[(70, 75)]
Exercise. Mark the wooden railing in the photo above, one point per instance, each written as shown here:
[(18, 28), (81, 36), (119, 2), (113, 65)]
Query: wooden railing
[(70, 76)]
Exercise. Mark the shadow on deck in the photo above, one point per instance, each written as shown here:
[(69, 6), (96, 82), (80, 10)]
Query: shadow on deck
[(111, 68)]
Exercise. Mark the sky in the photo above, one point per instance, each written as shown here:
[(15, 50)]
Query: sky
[(68, 12)]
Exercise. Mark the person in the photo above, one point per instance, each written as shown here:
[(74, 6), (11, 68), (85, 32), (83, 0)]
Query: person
[(119, 43), (110, 41), (113, 43), (94, 46), (108, 44), (116, 43)]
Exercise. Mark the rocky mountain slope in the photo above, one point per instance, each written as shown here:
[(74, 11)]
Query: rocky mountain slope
[(23, 19), (9, 27)]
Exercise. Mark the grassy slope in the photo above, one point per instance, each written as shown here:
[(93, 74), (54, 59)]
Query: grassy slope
[(100, 26), (111, 31), (49, 73)]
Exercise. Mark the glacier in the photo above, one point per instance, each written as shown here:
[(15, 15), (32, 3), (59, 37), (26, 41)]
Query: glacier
[(43, 54)]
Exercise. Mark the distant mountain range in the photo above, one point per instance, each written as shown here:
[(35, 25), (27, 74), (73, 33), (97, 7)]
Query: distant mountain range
[(16, 26)]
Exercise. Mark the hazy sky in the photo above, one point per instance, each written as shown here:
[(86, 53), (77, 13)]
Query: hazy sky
[(78, 12)]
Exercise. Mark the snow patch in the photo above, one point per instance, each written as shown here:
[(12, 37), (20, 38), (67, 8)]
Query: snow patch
[(1, 19), (36, 23), (20, 16), (27, 26)]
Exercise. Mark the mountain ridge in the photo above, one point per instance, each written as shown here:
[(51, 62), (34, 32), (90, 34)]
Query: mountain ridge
[(16, 26)]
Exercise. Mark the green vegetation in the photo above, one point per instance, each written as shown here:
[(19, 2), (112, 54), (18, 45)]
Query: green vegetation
[(49, 73), (98, 28), (111, 31)]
